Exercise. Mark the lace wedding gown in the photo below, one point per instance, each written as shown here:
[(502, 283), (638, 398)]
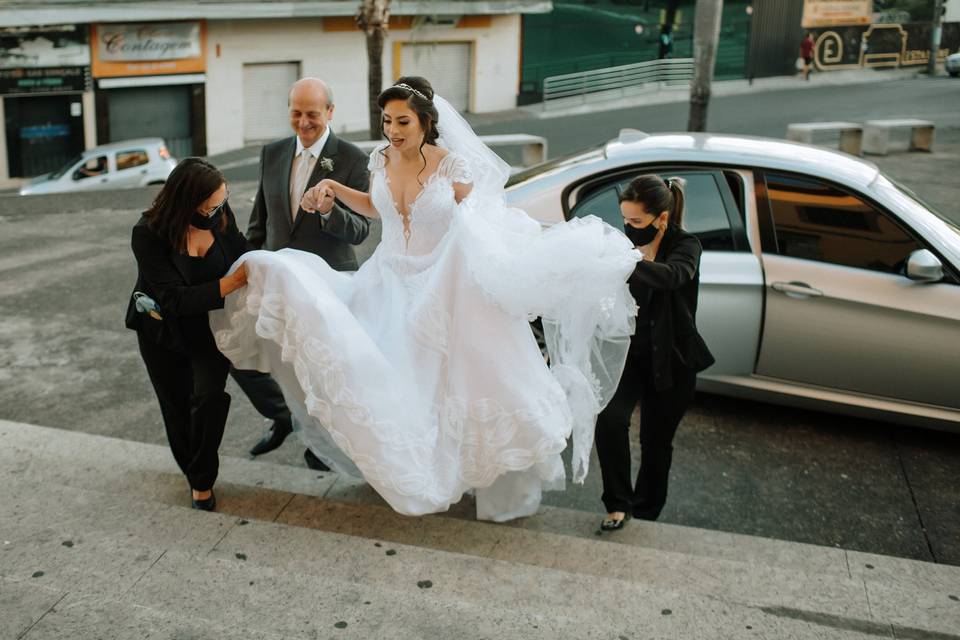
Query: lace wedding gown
[(420, 372)]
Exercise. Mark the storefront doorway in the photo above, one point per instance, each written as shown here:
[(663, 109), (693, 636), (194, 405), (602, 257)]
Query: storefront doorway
[(146, 112), (43, 132)]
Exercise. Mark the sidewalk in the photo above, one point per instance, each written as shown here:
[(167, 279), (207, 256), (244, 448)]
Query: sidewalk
[(719, 89), (98, 541)]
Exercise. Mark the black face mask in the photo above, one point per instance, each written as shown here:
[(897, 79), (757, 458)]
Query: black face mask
[(643, 236), (206, 223)]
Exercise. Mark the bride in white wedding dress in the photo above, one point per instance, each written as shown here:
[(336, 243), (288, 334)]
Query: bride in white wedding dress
[(420, 372)]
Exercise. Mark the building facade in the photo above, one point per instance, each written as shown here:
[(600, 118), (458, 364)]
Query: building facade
[(46, 97), (214, 76)]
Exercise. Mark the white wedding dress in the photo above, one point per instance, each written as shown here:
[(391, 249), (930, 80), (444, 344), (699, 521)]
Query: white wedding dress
[(420, 372)]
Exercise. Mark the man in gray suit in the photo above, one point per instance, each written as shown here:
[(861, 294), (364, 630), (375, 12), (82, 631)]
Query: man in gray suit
[(288, 168)]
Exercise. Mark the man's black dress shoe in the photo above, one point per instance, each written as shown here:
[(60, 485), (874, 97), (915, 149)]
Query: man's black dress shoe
[(314, 462), (205, 505), (278, 432)]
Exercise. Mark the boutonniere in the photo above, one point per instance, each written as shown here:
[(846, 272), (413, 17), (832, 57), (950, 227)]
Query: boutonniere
[(326, 164)]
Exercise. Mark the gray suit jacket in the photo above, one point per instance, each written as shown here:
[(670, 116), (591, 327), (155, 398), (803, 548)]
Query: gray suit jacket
[(270, 225)]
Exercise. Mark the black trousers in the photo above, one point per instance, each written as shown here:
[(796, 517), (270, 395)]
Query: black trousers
[(190, 389), (264, 393), (660, 414)]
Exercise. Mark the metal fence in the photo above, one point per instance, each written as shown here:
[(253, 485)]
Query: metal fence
[(614, 81)]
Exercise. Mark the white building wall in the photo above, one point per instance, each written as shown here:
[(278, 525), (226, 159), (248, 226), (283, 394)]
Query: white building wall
[(496, 59), (953, 11), (340, 59)]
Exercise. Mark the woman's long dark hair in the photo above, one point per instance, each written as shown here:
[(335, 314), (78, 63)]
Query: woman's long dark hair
[(657, 195), (191, 182), (421, 104)]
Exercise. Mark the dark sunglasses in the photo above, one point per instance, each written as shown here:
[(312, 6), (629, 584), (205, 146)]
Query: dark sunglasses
[(217, 208)]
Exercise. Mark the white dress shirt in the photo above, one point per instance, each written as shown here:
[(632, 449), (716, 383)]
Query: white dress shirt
[(313, 155)]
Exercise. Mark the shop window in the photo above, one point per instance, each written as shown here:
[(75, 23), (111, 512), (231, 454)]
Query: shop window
[(131, 159)]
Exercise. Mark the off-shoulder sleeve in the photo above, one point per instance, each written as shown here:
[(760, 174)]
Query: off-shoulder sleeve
[(454, 167)]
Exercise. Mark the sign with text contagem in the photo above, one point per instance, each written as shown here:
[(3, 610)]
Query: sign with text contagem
[(154, 48), (831, 13), (45, 80)]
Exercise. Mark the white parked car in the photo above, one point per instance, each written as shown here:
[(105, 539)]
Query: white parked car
[(118, 165), (952, 64), (823, 284)]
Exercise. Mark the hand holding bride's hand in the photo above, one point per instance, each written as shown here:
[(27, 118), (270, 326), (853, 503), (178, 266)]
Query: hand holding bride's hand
[(319, 198)]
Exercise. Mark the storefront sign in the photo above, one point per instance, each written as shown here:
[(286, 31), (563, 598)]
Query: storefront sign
[(881, 46), (148, 49), (48, 80), (64, 46), (830, 13)]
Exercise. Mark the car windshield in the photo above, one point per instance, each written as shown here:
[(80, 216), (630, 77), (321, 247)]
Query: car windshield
[(924, 203), (62, 170), (539, 169)]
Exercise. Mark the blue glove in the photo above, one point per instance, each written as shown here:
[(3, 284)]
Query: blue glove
[(146, 304)]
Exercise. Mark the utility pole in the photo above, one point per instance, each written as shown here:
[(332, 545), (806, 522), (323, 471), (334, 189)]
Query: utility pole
[(935, 31), (706, 34), (373, 17)]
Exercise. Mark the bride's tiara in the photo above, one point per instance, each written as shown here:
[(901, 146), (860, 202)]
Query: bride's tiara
[(403, 85)]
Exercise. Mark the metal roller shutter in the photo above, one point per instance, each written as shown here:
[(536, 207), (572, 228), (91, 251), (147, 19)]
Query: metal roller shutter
[(445, 64), (265, 91), (164, 111)]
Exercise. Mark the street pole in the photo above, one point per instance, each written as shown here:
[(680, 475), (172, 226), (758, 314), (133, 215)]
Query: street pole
[(706, 34), (935, 31)]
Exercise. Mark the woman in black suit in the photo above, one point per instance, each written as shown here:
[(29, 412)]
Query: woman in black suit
[(666, 352), (184, 246)]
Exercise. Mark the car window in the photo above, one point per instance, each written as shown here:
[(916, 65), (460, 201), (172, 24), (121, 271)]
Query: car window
[(96, 166), (131, 159), (816, 221), (704, 212), (59, 173)]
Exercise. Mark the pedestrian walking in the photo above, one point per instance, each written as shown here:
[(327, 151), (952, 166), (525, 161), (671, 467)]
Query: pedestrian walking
[(806, 54)]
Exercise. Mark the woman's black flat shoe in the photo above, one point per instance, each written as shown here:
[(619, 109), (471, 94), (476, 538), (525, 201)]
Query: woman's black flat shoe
[(609, 524), (206, 505)]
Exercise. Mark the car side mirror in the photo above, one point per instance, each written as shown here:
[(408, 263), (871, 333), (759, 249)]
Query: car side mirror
[(923, 266)]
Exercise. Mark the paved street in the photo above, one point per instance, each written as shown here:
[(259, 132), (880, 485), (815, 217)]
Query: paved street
[(66, 361)]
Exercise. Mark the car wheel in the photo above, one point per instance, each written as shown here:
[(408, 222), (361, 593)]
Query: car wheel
[(954, 74)]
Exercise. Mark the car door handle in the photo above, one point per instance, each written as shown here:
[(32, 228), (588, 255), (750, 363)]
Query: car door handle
[(143, 172), (796, 289)]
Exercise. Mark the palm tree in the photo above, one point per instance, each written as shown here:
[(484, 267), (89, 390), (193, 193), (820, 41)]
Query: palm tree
[(373, 18), (706, 33)]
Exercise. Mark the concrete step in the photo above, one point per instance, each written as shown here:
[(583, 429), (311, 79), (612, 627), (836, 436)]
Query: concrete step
[(84, 563), (908, 595)]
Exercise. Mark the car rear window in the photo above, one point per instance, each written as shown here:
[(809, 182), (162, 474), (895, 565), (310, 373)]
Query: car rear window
[(556, 163), (131, 158)]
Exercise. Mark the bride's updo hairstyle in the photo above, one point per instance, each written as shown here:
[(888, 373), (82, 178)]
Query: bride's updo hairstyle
[(419, 97), (418, 94), (657, 195)]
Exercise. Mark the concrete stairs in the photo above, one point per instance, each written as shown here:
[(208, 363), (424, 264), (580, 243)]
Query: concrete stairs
[(97, 540)]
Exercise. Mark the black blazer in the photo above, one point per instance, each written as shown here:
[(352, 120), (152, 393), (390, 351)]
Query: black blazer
[(270, 225), (164, 274), (674, 280)]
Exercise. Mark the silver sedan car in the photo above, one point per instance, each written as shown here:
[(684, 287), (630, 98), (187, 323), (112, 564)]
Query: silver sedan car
[(118, 165), (824, 285)]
